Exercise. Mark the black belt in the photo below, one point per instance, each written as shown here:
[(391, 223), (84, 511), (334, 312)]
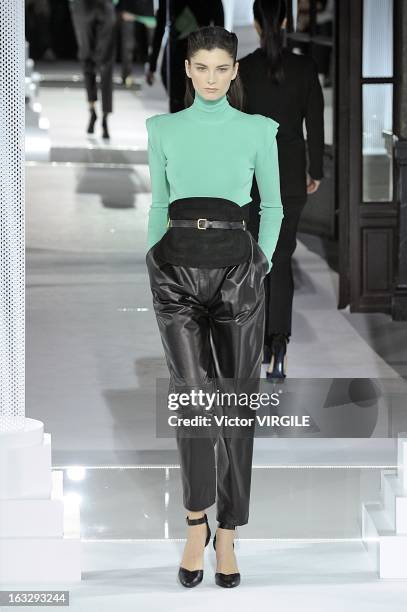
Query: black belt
[(204, 224)]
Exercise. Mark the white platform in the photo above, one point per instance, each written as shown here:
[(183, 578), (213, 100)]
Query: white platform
[(402, 461), (384, 523), (43, 542), (34, 518), (31, 435), (25, 471), (39, 528), (276, 576), (39, 560), (394, 500)]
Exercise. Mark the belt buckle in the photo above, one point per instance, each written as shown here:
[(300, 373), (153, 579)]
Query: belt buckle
[(201, 228)]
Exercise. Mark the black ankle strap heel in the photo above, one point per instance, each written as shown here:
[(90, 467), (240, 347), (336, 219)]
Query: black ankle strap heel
[(199, 521), (191, 578), (223, 526), (226, 580)]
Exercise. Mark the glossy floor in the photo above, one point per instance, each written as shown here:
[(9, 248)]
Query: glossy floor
[(94, 355)]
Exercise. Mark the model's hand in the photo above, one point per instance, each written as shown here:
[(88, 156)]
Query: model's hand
[(149, 77), (128, 16), (312, 184)]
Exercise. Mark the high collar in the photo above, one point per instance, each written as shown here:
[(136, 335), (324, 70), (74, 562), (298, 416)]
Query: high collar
[(210, 111)]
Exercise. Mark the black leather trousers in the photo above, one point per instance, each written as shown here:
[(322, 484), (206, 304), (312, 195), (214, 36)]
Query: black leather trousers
[(211, 322)]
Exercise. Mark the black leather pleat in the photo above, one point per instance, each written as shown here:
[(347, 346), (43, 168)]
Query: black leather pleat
[(211, 324)]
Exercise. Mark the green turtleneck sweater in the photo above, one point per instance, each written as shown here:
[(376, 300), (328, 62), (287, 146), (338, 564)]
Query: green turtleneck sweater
[(212, 149)]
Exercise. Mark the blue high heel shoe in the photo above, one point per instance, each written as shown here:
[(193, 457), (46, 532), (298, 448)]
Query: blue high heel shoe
[(278, 357)]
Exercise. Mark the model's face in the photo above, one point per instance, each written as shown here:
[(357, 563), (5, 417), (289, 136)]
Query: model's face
[(211, 72)]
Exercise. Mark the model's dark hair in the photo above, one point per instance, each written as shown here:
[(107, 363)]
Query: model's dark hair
[(214, 37), (270, 14)]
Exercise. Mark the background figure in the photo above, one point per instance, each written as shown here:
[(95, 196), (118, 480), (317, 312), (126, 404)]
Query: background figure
[(325, 27), (38, 29), (136, 17), (284, 86), (185, 17), (94, 24)]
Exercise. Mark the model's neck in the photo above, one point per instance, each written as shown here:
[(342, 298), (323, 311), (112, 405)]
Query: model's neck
[(210, 106), (210, 111)]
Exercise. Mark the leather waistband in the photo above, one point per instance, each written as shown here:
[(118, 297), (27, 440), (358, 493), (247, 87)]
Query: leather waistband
[(203, 223)]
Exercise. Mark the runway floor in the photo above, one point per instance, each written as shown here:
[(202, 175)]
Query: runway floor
[(93, 357)]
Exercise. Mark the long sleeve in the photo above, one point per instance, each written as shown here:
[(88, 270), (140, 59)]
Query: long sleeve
[(268, 181), (157, 217), (314, 123), (158, 35)]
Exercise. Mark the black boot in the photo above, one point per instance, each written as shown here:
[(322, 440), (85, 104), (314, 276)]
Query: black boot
[(267, 349), (278, 358), (92, 121), (105, 134), (226, 580), (190, 578)]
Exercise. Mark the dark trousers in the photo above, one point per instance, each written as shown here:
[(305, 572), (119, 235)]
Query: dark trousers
[(175, 85), (133, 35), (279, 282), (211, 322), (95, 31), (37, 27), (127, 47)]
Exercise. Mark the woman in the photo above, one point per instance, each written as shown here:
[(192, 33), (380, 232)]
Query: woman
[(207, 286), (38, 30), (94, 23), (284, 86), (184, 17), (136, 20)]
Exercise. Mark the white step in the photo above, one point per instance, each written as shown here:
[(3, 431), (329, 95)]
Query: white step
[(394, 500), (34, 518), (25, 471), (45, 559), (32, 434), (40, 560), (387, 550), (402, 461), (57, 491)]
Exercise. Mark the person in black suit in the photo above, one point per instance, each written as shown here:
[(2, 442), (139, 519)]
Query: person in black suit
[(94, 23), (284, 86), (185, 16)]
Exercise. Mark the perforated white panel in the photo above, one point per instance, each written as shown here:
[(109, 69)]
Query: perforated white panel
[(12, 272)]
